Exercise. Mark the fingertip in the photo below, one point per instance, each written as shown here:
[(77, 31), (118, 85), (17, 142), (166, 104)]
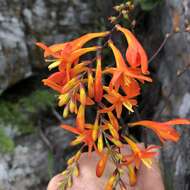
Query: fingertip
[(55, 182)]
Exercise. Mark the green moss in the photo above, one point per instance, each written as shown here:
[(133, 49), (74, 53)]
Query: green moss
[(6, 143), (23, 113)]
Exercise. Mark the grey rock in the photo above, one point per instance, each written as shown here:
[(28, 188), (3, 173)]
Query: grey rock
[(22, 23), (29, 164), (174, 57)]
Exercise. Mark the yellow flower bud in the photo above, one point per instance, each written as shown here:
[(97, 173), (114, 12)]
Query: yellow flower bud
[(100, 143)]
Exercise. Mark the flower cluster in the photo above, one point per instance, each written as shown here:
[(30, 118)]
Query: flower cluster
[(82, 83)]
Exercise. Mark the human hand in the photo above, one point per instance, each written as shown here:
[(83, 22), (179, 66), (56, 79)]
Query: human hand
[(148, 179)]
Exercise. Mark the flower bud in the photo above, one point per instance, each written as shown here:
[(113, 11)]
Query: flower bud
[(100, 167), (100, 143)]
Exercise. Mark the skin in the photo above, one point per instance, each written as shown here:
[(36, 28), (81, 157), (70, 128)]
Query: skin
[(148, 179)]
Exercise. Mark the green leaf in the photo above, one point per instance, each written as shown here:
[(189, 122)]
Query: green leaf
[(148, 5)]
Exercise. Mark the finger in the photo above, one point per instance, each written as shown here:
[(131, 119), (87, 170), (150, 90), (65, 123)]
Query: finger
[(150, 178), (88, 179), (54, 183)]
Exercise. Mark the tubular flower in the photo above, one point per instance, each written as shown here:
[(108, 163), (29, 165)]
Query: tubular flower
[(98, 90), (65, 49), (140, 154), (117, 102), (69, 51), (84, 136), (135, 54), (58, 80), (122, 72), (164, 130), (83, 130)]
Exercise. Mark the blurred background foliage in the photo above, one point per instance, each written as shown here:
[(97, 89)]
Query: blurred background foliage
[(147, 5)]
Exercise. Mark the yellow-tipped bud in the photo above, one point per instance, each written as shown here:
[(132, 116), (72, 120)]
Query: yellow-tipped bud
[(82, 94), (116, 142), (95, 130), (71, 160), (129, 106), (111, 182), (77, 155), (78, 140), (66, 111), (69, 85), (100, 143), (54, 64), (132, 175), (64, 173), (72, 106), (76, 171), (63, 99), (113, 132), (90, 85)]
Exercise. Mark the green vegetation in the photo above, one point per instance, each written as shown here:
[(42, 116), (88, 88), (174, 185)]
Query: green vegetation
[(148, 4), (6, 143), (23, 114)]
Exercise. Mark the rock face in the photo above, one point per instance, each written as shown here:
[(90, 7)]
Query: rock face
[(22, 23), (30, 164), (175, 90)]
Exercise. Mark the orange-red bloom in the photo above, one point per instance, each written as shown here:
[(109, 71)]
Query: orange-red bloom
[(123, 75), (139, 154), (164, 130), (117, 102), (69, 52), (65, 49), (135, 53)]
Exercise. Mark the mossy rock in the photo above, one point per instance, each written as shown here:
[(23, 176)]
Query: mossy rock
[(23, 115)]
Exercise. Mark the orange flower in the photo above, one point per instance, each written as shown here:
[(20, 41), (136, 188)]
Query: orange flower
[(135, 53), (83, 130), (139, 154), (122, 74), (84, 136), (164, 130), (65, 49), (56, 81), (117, 102), (69, 52)]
